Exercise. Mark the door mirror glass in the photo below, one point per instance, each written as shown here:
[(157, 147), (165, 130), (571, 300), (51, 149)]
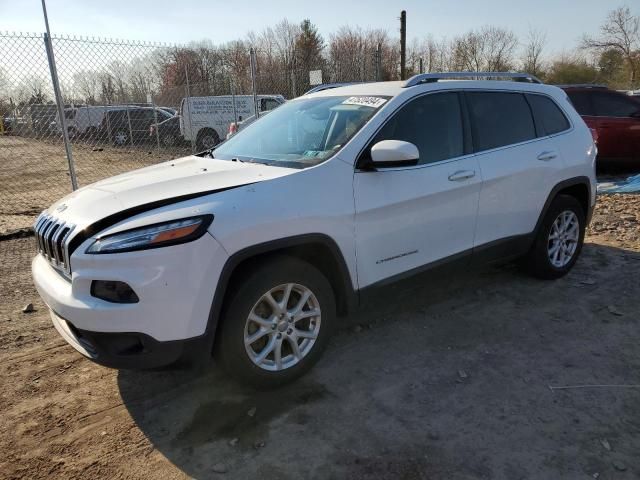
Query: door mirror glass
[(394, 153)]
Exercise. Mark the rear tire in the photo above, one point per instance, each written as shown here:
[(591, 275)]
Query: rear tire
[(120, 137), (272, 358), (207, 138), (559, 239)]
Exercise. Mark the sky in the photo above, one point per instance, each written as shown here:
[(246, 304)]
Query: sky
[(182, 21)]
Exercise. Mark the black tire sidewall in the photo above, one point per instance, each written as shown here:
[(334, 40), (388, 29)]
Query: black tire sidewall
[(539, 262), (168, 140), (206, 133), (230, 339)]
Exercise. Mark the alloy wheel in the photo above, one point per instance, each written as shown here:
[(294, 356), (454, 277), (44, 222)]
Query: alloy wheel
[(282, 327), (563, 239)]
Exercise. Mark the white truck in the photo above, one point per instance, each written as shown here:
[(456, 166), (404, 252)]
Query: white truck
[(206, 120)]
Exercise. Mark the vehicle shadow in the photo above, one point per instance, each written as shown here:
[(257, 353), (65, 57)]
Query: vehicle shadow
[(430, 368)]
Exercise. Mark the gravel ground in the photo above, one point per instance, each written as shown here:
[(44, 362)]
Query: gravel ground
[(455, 378)]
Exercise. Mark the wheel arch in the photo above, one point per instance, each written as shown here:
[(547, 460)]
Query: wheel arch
[(577, 187), (318, 249), (204, 130)]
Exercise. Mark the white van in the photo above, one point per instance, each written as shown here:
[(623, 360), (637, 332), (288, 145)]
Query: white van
[(206, 119), (85, 120)]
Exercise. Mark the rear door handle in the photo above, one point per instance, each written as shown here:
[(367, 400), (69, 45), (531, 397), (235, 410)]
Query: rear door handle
[(462, 175), (546, 156)]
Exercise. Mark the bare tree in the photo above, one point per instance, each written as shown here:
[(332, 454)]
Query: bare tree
[(620, 31), (532, 55), (86, 85), (4, 83), (351, 54), (488, 49)]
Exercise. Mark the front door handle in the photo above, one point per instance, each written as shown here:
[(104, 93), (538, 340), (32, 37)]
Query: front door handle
[(461, 175), (546, 156)]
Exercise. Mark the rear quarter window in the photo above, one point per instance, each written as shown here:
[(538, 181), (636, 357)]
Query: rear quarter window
[(581, 102), (499, 119), (548, 116)]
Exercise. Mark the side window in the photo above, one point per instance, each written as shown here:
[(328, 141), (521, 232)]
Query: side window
[(581, 102), (433, 123), (268, 104), (136, 115), (499, 119), (614, 105), (548, 115)]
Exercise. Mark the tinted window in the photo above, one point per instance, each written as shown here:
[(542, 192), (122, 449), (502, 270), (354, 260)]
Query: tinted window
[(161, 114), (500, 119), (581, 102), (549, 117), (613, 105), (269, 104), (433, 123)]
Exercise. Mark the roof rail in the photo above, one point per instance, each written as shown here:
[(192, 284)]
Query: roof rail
[(582, 85), (434, 77), (327, 86)]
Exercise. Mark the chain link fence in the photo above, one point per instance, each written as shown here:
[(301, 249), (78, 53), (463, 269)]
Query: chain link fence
[(129, 104)]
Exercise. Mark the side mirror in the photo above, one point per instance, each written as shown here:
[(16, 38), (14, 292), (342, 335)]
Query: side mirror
[(394, 153)]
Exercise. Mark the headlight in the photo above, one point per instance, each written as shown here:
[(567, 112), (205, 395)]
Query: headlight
[(153, 236)]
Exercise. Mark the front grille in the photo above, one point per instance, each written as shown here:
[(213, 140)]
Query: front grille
[(52, 240)]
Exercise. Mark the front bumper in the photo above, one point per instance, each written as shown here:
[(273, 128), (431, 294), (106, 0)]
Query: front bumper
[(175, 286), (125, 350)]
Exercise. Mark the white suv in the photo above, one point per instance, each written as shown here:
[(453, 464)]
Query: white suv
[(253, 250)]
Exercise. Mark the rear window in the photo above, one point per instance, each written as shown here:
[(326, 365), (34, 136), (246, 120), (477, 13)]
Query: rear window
[(499, 119), (548, 115), (581, 102)]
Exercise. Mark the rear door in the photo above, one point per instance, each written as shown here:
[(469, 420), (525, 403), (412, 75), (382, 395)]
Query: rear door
[(618, 125), (407, 217), (518, 164)]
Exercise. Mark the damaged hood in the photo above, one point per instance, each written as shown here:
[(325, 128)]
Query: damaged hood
[(186, 177)]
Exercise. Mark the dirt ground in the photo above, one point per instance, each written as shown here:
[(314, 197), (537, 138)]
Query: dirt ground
[(482, 375), (35, 173)]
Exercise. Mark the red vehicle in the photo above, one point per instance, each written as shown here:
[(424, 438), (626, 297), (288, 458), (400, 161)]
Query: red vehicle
[(615, 117)]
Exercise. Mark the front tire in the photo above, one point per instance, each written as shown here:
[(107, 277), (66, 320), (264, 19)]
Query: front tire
[(559, 239), (276, 323)]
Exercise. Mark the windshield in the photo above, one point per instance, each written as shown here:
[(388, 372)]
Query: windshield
[(301, 133)]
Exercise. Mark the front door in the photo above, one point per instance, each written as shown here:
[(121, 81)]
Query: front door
[(408, 217)]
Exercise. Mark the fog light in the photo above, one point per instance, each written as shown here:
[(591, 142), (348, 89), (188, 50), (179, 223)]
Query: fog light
[(113, 291)]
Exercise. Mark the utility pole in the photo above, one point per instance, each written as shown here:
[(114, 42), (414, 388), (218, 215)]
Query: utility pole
[(403, 45)]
